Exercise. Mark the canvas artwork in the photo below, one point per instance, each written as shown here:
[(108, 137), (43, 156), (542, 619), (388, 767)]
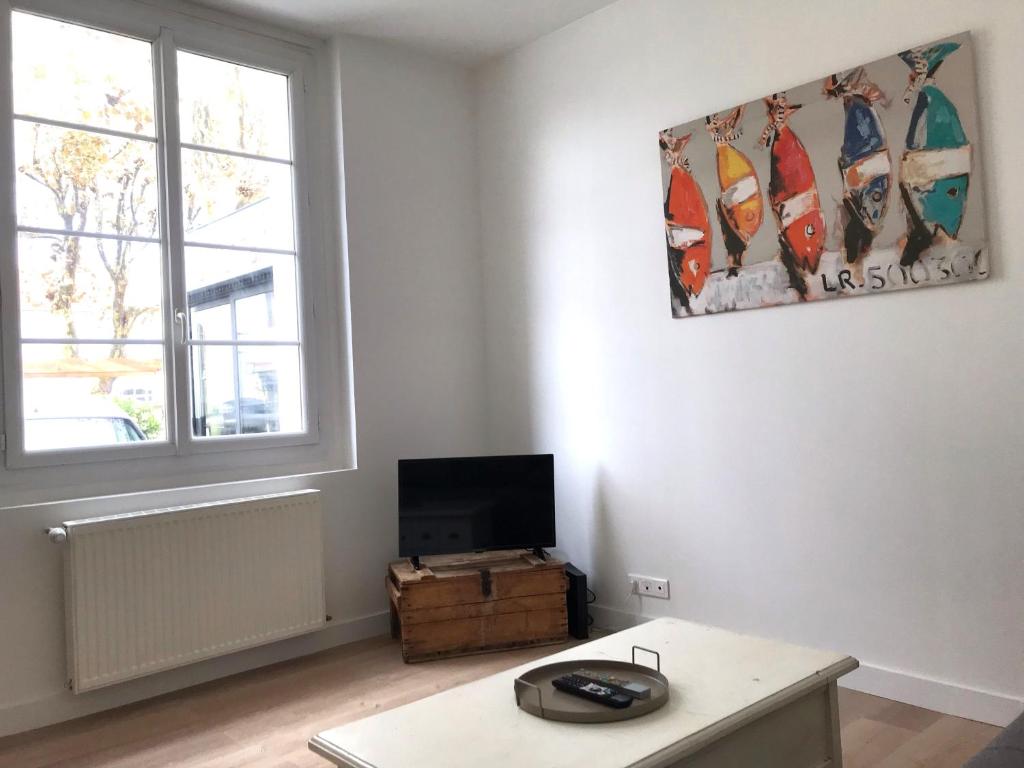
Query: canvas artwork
[(862, 182)]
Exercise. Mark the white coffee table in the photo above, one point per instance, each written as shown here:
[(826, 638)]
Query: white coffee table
[(736, 702)]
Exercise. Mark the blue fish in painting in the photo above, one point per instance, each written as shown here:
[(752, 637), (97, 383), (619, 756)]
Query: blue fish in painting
[(864, 162), (935, 169)]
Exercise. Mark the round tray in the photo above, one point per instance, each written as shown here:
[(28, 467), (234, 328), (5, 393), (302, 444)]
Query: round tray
[(535, 693)]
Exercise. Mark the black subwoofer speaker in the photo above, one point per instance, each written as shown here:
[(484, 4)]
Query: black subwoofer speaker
[(576, 602)]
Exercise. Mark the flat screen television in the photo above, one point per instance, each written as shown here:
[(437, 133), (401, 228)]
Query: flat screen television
[(448, 506)]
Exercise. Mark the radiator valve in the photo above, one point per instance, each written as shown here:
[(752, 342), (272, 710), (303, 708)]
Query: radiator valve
[(57, 535)]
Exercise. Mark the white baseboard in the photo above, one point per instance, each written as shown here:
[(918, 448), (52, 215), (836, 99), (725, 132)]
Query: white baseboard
[(58, 707), (938, 695)]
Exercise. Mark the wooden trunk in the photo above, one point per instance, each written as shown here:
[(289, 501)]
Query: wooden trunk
[(460, 604)]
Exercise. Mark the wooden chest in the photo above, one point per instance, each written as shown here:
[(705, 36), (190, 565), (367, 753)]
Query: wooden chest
[(461, 604)]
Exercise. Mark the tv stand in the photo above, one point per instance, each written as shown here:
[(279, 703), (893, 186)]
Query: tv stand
[(451, 605), (540, 553)]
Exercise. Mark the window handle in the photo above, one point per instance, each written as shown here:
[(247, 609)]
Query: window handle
[(180, 319)]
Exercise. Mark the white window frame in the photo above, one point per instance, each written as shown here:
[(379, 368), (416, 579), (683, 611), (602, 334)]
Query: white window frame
[(169, 31)]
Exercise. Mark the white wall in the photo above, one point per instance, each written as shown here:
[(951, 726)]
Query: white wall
[(417, 344), (846, 474)]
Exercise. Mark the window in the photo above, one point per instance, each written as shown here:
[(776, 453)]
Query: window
[(159, 244)]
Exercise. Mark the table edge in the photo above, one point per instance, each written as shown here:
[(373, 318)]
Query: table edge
[(330, 751), (695, 742)]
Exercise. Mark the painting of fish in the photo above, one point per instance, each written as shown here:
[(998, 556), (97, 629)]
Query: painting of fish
[(871, 173)]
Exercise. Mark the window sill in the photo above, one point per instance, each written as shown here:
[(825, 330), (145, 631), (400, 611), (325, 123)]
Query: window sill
[(44, 484)]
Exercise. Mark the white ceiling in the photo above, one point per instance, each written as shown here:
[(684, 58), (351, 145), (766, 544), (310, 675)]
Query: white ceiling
[(467, 31)]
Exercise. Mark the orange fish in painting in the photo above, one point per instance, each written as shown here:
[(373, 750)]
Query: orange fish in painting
[(687, 229), (794, 194)]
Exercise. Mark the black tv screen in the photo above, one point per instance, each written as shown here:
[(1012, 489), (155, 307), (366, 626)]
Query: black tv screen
[(447, 506)]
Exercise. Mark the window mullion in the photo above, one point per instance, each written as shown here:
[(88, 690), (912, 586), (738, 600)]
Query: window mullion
[(303, 246), (175, 334), (10, 347)]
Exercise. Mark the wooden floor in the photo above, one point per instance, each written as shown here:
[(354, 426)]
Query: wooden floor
[(263, 718)]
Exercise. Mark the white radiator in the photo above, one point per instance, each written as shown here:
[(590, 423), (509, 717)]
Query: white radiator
[(148, 591)]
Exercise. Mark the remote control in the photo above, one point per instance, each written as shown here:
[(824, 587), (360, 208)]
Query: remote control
[(628, 687), (585, 689)]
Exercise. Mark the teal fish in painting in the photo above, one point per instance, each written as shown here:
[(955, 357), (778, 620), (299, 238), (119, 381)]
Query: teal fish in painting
[(936, 165)]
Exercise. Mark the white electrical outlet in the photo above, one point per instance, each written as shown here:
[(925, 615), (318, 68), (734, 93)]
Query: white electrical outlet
[(647, 586)]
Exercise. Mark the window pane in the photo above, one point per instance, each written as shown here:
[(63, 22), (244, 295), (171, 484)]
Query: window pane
[(74, 288), (230, 200), (87, 182), (241, 295), (81, 287), (228, 106), (91, 395), (80, 75), (238, 295), (211, 322), (246, 390)]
